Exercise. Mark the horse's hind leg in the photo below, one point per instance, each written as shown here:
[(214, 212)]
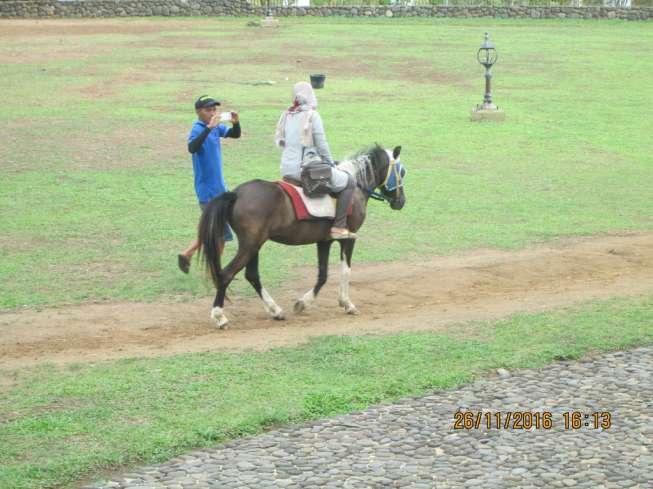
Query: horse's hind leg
[(346, 251), (217, 313), (252, 276), (323, 248)]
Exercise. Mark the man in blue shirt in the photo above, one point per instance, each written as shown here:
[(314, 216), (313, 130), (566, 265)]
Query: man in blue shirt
[(204, 145)]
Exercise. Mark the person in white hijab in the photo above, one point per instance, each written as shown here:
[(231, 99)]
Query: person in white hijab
[(300, 129)]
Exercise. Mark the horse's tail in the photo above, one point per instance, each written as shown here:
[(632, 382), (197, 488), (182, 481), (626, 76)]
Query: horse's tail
[(211, 231)]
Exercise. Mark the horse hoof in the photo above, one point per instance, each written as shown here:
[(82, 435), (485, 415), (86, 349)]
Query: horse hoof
[(279, 316), (351, 309), (222, 323), (299, 307), (220, 319)]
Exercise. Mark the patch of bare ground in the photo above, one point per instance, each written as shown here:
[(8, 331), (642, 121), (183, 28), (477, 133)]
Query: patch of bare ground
[(443, 294), (17, 54), (373, 61), (418, 71), (376, 67), (109, 87), (15, 244), (65, 38), (93, 27), (95, 148)]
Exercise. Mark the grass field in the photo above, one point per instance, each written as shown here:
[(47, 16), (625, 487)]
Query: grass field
[(96, 199), (61, 424), (96, 193)]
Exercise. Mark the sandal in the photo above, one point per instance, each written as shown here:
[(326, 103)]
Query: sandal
[(184, 263), (336, 233)]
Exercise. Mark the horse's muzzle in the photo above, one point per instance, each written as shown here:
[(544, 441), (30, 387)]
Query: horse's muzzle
[(398, 204)]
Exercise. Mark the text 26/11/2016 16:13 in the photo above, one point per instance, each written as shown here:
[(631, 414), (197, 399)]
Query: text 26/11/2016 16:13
[(527, 420)]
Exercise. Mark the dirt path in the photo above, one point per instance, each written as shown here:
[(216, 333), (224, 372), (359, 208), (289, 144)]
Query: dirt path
[(435, 295)]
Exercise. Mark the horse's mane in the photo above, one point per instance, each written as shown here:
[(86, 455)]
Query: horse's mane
[(361, 165)]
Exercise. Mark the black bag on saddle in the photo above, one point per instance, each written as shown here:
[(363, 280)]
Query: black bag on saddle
[(316, 175)]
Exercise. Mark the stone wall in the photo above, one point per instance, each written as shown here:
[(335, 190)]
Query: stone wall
[(144, 8)]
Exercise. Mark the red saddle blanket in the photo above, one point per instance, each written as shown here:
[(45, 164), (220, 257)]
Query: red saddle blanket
[(314, 208)]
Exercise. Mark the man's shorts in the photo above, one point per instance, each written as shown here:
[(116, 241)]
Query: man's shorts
[(228, 235)]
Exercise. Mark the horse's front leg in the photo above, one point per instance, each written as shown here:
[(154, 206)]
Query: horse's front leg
[(323, 248), (252, 275), (346, 251), (226, 275)]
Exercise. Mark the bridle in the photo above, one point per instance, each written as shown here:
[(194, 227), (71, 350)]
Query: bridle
[(394, 176)]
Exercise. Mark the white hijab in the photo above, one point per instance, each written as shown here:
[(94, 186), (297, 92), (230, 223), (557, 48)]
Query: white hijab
[(304, 105)]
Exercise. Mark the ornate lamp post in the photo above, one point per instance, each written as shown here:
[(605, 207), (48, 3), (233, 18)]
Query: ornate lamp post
[(487, 56)]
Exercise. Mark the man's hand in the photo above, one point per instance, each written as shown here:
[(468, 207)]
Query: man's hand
[(234, 118), (215, 120)]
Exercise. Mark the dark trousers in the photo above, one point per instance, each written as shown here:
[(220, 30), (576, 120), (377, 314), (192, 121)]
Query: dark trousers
[(344, 199)]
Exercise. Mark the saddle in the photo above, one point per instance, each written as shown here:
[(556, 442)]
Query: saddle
[(307, 208)]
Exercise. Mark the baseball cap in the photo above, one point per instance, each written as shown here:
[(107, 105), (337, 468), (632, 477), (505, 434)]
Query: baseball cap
[(205, 101)]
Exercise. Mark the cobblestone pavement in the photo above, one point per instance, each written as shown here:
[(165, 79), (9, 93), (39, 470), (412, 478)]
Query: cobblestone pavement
[(413, 444)]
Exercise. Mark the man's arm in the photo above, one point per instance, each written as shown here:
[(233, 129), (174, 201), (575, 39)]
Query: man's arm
[(234, 130), (195, 145)]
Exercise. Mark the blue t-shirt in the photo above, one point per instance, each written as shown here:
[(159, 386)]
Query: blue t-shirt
[(207, 162)]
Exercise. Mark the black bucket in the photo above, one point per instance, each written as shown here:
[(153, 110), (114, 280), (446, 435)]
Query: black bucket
[(317, 80)]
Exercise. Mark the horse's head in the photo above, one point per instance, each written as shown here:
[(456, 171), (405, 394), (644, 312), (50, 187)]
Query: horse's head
[(378, 168), (389, 175), (392, 188)]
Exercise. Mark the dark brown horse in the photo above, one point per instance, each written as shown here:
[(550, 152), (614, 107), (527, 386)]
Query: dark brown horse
[(258, 211)]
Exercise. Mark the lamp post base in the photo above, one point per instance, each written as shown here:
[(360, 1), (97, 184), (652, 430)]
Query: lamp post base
[(487, 112), (270, 21)]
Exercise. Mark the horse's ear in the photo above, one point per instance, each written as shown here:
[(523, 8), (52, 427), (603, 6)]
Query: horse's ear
[(396, 151)]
